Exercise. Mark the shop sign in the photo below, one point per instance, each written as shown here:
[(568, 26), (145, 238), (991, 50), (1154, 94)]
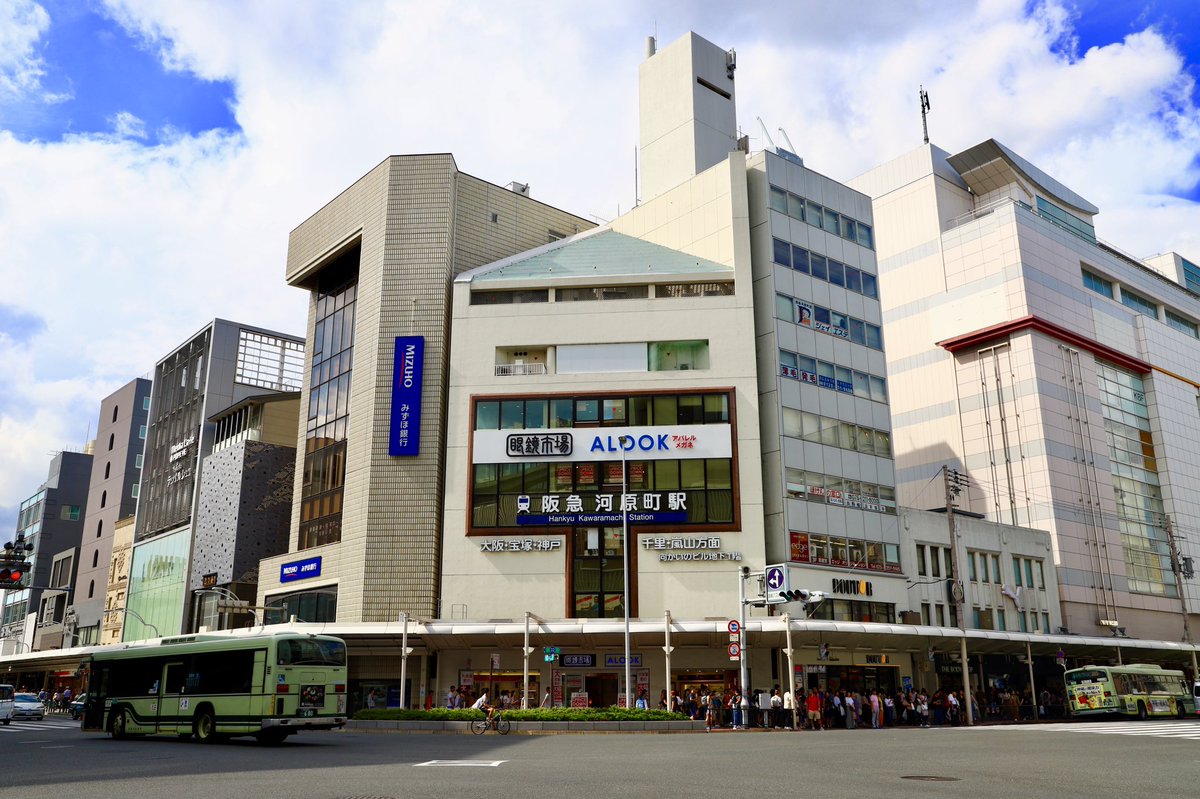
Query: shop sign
[(651, 507), (618, 660), (853, 587), (404, 437), (300, 569), (180, 449), (579, 699), (877, 660), (688, 548), (579, 661), (528, 445), (632, 443), (209, 580), (466, 679), (520, 545)]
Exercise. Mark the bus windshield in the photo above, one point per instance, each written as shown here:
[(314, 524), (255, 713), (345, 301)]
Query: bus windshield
[(311, 652)]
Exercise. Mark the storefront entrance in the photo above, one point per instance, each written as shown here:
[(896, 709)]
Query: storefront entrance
[(862, 679), (602, 689)]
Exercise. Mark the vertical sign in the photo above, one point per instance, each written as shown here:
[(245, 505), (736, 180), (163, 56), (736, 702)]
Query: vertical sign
[(405, 438)]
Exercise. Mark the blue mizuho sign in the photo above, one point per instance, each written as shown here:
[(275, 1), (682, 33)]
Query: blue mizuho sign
[(405, 435)]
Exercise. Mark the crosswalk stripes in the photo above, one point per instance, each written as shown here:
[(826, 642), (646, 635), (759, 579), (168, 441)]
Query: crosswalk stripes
[(21, 726), (1181, 730)]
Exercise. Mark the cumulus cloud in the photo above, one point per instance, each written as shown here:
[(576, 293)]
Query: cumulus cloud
[(123, 247)]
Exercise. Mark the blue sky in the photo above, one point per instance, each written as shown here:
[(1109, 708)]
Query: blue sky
[(156, 153), (102, 72)]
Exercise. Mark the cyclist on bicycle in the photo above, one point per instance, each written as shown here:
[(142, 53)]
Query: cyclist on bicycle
[(482, 704)]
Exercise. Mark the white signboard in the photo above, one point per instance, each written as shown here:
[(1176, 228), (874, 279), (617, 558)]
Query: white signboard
[(670, 442)]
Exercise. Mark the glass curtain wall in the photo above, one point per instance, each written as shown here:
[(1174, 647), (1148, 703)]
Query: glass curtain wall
[(332, 345)]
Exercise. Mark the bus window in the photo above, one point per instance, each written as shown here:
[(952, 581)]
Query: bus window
[(311, 652)]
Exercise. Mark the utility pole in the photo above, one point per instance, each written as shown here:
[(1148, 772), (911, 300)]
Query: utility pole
[(954, 483), (1177, 569)]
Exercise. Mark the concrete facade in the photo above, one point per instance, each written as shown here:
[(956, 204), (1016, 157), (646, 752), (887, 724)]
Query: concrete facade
[(1057, 373), (400, 234), (112, 496)]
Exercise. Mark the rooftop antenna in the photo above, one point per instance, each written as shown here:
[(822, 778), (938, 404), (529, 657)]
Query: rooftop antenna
[(924, 97), (766, 136), (783, 133)]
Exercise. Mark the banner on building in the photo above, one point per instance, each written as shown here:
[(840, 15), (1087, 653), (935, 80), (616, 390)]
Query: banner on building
[(405, 435)]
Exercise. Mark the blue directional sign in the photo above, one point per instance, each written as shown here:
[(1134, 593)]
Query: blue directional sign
[(776, 580)]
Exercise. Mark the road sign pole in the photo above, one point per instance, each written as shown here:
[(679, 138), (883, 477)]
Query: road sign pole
[(743, 573)]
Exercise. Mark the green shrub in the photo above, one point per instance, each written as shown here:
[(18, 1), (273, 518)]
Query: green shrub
[(534, 714)]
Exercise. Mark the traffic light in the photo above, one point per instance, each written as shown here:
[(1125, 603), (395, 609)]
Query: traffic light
[(12, 576), (801, 595)]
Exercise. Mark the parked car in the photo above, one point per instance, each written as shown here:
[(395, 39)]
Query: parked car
[(77, 706), (27, 706)]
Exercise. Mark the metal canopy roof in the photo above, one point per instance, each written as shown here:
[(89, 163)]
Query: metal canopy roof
[(383, 638)]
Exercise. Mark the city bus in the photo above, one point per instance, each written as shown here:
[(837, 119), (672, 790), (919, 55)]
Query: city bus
[(216, 686), (1138, 689)]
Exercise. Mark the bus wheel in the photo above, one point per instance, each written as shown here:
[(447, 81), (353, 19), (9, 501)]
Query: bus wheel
[(205, 727), (120, 724), (1142, 714), (272, 737)]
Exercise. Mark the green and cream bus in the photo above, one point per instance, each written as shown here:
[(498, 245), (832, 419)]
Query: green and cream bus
[(215, 686), (1137, 689)]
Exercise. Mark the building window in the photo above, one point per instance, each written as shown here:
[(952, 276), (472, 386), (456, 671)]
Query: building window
[(69, 513), (597, 574), (95, 558), (91, 588), (1138, 303), (1016, 572), (137, 461), (99, 528), (306, 606), (141, 434), (940, 609), (332, 345), (1065, 220), (1098, 284), (103, 498), (112, 439), (145, 403), (996, 569), (107, 470), (677, 356), (602, 293), (1182, 325), (135, 490), (509, 297), (971, 567), (921, 563), (116, 409)]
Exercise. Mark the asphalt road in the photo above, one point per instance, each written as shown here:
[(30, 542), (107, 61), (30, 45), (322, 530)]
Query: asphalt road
[(51, 759)]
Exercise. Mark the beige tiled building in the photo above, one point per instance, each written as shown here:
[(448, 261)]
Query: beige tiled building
[(378, 261), (1056, 372)]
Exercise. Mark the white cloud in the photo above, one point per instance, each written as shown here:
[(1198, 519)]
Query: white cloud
[(22, 23), (124, 249), (127, 125)]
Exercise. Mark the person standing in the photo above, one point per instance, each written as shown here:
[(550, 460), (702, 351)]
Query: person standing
[(851, 709), (452, 698), (735, 704), (952, 707), (776, 708), (875, 709), (813, 703)]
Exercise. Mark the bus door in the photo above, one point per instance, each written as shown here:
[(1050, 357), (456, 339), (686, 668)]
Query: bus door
[(174, 713), (97, 693)]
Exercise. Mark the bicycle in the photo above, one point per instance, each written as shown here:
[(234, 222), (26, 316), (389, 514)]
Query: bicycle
[(497, 723)]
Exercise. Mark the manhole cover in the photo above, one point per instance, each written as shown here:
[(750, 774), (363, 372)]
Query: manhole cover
[(930, 778)]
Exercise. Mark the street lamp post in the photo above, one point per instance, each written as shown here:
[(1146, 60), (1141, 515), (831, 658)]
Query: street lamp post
[(621, 440), (136, 615)]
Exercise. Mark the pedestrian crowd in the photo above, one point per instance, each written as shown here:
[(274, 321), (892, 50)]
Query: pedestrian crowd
[(816, 709)]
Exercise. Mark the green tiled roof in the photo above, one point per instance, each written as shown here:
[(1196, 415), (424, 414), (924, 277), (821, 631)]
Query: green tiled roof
[(601, 252)]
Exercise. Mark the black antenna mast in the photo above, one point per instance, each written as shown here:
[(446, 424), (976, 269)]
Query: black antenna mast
[(924, 97)]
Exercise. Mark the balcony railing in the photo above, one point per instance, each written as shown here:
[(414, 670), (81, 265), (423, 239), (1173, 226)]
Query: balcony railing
[(520, 369)]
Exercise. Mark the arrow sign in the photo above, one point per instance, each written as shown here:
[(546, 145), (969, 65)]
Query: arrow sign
[(775, 578)]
